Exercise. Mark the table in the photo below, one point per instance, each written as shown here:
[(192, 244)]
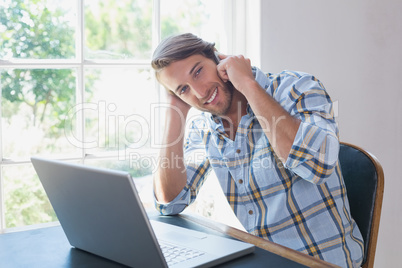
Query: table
[(49, 247)]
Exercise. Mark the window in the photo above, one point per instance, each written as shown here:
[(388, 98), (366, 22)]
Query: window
[(76, 85)]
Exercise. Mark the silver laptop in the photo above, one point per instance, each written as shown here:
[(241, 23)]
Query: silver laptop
[(101, 213)]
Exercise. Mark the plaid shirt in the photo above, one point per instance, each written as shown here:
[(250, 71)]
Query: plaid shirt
[(301, 203)]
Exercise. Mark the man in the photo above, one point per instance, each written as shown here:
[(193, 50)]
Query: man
[(271, 140)]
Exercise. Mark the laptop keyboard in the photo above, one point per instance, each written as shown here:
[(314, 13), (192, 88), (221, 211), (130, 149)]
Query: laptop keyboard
[(174, 254)]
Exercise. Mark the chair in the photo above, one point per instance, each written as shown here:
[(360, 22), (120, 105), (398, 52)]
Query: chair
[(364, 180)]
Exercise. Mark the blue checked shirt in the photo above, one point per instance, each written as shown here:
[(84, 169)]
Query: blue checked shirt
[(300, 203)]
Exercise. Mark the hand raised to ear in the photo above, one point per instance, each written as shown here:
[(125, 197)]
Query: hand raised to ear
[(236, 69)]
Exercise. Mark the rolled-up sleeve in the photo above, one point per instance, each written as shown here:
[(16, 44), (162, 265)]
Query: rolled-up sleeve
[(314, 153), (174, 207)]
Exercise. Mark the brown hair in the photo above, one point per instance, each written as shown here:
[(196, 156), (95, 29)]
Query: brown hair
[(179, 47)]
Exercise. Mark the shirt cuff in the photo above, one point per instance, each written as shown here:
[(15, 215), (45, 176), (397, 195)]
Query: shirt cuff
[(314, 153), (175, 206)]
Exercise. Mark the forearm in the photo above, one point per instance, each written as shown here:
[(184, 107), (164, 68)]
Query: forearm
[(278, 125), (170, 177)]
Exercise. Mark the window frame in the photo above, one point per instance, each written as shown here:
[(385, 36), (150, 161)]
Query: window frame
[(78, 64), (239, 15)]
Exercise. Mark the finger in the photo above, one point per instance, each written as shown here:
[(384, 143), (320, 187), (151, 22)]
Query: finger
[(221, 56), (222, 73)]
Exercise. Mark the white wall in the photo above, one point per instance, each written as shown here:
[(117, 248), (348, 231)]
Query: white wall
[(355, 49)]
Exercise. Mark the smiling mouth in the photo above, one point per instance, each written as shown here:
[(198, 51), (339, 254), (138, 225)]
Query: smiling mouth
[(212, 97)]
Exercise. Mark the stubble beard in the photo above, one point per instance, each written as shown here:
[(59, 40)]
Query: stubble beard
[(228, 97)]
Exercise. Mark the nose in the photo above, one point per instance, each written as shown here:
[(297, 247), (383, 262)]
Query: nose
[(199, 90)]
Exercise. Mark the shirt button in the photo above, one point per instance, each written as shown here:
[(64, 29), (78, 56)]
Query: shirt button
[(250, 212), (238, 151), (240, 181)]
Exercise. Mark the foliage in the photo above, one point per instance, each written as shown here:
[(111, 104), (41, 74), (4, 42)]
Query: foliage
[(118, 29), (26, 202), (42, 29), (33, 31)]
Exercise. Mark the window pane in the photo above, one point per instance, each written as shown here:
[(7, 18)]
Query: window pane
[(118, 29), (25, 200), (118, 114), (203, 18), (42, 29), (118, 109), (34, 106)]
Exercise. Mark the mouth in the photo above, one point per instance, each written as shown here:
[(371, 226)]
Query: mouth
[(212, 98)]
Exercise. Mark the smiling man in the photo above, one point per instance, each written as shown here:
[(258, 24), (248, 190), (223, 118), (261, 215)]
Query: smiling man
[(272, 141)]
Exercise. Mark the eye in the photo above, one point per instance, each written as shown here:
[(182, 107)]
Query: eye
[(183, 90), (197, 72)]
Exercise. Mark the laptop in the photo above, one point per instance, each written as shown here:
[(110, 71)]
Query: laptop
[(100, 212)]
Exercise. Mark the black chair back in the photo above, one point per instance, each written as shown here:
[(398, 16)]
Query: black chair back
[(360, 174)]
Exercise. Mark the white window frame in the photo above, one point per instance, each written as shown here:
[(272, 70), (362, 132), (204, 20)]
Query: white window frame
[(242, 22)]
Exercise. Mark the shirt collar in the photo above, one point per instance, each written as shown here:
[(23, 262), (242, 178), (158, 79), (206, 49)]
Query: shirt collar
[(216, 121)]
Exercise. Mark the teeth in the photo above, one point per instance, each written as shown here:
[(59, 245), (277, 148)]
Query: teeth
[(213, 96)]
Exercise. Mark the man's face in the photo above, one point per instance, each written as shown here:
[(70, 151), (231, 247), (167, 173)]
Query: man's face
[(195, 80)]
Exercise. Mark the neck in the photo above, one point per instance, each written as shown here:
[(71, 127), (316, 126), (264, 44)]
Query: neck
[(237, 110)]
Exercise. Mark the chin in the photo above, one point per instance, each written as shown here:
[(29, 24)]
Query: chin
[(220, 112)]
